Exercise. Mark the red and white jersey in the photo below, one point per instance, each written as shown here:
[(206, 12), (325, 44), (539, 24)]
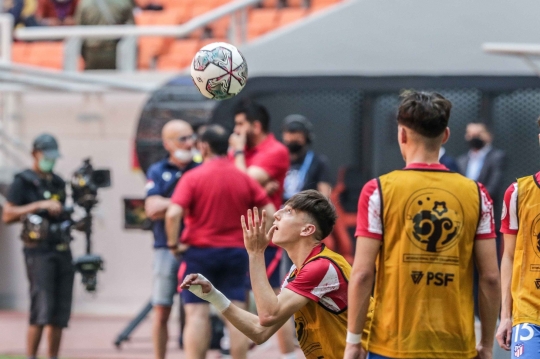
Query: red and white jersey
[(509, 217), (369, 220), (321, 281)]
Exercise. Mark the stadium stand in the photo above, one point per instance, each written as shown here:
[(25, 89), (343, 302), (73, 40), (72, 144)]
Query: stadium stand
[(166, 53)]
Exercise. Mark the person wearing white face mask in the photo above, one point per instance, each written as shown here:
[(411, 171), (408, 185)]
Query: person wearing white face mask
[(178, 139), (39, 193)]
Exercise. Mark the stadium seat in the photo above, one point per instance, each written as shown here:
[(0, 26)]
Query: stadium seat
[(19, 52), (46, 53), (271, 3), (152, 46), (296, 3), (287, 16), (261, 21), (179, 55), (220, 27), (317, 5)]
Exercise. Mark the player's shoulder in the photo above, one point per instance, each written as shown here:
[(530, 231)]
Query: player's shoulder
[(318, 268), (371, 186)]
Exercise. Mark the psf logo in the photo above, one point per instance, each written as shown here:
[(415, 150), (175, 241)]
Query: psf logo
[(519, 350), (434, 218)]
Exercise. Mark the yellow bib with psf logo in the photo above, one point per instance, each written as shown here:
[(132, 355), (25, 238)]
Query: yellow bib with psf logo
[(526, 273), (424, 281), (321, 332)]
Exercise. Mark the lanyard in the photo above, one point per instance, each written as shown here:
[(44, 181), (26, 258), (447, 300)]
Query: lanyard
[(294, 182)]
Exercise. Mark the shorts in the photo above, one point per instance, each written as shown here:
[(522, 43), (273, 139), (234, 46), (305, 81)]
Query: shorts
[(165, 278), (272, 260), (51, 274), (525, 341), (225, 267)]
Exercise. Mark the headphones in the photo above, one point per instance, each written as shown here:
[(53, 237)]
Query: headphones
[(299, 123)]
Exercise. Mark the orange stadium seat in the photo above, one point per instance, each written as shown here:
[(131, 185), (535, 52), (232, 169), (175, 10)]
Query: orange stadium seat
[(47, 54), (287, 16), (220, 27), (270, 3), (261, 21), (317, 5), (296, 3), (179, 55), (19, 52), (152, 46)]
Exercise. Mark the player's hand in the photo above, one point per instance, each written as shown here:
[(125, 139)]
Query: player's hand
[(484, 352), (197, 284), (237, 141), (255, 238), (504, 333), (271, 187), (354, 351), (52, 206)]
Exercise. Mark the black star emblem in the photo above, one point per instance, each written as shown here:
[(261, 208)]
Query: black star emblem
[(440, 208)]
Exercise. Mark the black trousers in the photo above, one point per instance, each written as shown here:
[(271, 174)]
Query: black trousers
[(50, 273)]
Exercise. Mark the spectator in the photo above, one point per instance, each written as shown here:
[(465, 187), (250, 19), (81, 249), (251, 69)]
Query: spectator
[(56, 12), (178, 140), (98, 53), (212, 198), (483, 163), (265, 159), (308, 170), (23, 11)]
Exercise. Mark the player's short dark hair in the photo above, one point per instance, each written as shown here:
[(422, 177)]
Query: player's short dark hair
[(217, 138), (318, 207), (426, 113), (254, 112)]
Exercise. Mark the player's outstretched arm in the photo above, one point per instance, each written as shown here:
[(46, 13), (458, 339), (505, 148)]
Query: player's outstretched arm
[(504, 333), (360, 286), (246, 322), (489, 293)]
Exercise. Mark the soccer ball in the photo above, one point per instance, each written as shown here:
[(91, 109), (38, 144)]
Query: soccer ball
[(219, 71)]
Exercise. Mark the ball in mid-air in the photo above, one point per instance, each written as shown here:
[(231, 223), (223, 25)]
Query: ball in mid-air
[(219, 71)]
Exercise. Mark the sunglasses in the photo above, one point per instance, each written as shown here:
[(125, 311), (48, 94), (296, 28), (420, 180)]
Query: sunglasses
[(187, 138)]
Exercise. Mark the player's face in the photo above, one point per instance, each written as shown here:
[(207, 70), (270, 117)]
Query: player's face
[(241, 124), (477, 130), (289, 224)]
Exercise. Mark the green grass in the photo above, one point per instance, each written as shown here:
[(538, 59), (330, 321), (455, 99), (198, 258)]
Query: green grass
[(10, 357)]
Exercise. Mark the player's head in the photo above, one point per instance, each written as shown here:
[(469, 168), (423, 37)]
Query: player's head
[(477, 135), (252, 119), (297, 133), (214, 140), (178, 140), (307, 214), (423, 120)]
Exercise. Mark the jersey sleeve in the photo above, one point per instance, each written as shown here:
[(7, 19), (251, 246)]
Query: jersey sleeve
[(152, 178), (275, 163), (317, 279), (183, 192), (509, 220), (486, 225), (16, 193), (368, 220), (259, 196)]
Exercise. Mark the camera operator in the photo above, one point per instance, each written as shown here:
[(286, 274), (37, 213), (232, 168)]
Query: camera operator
[(36, 198), (178, 139)]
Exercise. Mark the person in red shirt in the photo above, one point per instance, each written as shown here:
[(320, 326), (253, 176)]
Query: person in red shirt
[(211, 198), (257, 152), (56, 12)]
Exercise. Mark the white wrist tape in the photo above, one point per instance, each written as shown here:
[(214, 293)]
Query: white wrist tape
[(215, 297), (353, 338)]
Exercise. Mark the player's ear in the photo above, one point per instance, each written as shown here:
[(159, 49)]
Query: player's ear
[(446, 135), (402, 135), (308, 230)]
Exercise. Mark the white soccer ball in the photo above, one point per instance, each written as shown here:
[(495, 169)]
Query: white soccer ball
[(219, 71)]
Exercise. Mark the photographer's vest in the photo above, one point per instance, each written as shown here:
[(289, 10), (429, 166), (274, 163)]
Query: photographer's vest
[(424, 280), (526, 271), (321, 332)]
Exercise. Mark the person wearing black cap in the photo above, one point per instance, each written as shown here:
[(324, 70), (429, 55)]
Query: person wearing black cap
[(308, 170), (37, 195)]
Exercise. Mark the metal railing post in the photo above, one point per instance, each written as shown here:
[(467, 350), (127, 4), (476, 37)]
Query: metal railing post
[(233, 28), (72, 51), (6, 37), (243, 26), (126, 54)]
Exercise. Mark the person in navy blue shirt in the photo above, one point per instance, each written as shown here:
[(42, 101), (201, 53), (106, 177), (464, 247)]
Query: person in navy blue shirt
[(178, 140)]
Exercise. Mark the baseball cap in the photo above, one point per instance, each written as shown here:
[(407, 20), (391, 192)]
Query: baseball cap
[(48, 145), (298, 123)]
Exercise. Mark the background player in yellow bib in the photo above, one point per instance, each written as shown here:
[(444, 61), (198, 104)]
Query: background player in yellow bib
[(427, 226), (315, 290), (520, 269)]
